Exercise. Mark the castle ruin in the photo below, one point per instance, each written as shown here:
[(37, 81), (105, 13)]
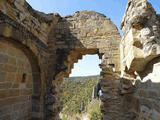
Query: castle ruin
[(38, 50)]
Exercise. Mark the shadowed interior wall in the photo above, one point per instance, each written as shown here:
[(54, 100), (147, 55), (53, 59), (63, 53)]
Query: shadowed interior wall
[(16, 83)]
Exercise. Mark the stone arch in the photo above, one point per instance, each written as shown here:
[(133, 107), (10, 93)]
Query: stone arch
[(35, 51), (73, 57), (85, 32), (26, 84), (68, 65)]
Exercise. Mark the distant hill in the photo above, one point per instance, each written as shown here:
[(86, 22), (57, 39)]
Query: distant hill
[(77, 90), (79, 78)]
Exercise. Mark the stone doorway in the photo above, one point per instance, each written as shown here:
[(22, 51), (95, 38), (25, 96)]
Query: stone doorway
[(85, 32), (80, 91)]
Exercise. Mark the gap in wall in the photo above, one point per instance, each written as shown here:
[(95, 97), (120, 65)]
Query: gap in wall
[(80, 91)]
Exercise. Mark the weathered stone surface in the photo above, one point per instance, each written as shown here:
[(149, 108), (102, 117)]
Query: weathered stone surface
[(36, 22), (10, 67), (38, 50), (140, 42), (85, 32), (140, 57)]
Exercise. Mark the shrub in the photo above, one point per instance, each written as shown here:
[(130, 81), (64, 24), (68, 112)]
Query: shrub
[(94, 110)]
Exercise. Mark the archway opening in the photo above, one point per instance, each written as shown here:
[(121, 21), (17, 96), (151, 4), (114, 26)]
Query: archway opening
[(88, 66), (81, 90)]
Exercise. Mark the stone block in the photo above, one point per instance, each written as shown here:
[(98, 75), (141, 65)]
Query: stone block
[(13, 92), (13, 100), (3, 58), (19, 5), (21, 63), (11, 77), (3, 94), (15, 85), (19, 78), (12, 60), (26, 91), (29, 85), (9, 68), (12, 51), (7, 31), (143, 93), (5, 85), (3, 76)]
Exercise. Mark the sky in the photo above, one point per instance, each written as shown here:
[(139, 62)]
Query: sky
[(89, 65), (113, 9)]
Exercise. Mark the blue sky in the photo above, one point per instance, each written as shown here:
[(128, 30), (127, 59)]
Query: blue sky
[(113, 9), (89, 65)]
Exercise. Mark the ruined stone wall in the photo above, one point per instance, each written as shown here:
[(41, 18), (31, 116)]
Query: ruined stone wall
[(43, 48), (147, 93), (88, 32), (140, 42), (140, 60), (17, 33), (38, 23), (85, 32), (15, 83), (20, 85)]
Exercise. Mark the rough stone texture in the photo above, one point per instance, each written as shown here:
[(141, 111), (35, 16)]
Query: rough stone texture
[(35, 50), (140, 60), (52, 53), (39, 24), (15, 94), (85, 32), (141, 35), (43, 49)]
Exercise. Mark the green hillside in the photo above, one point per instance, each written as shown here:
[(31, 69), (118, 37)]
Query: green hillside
[(77, 91)]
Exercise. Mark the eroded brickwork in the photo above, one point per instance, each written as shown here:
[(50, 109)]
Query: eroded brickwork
[(87, 32), (39, 24), (38, 50), (140, 60)]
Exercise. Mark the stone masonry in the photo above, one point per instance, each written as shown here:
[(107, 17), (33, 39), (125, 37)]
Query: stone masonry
[(38, 50), (140, 49)]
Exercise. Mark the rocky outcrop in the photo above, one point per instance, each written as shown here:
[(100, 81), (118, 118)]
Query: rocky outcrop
[(141, 36), (140, 50)]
